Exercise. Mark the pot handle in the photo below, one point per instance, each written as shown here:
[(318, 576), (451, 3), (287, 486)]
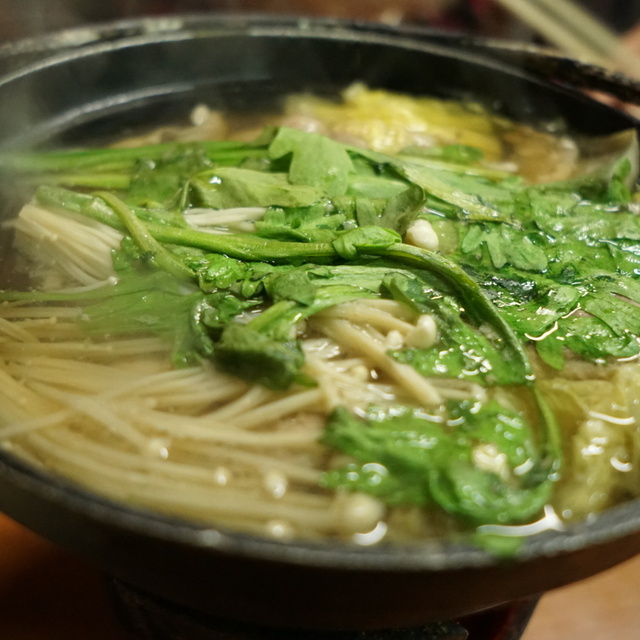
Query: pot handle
[(550, 66)]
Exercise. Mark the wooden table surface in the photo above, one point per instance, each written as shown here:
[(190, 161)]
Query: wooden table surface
[(47, 594)]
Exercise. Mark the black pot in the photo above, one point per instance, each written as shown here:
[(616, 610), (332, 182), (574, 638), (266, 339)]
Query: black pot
[(87, 87)]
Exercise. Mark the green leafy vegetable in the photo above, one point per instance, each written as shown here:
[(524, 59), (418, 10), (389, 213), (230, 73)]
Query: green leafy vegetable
[(555, 266), (316, 161), (229, 187), (413, 458)]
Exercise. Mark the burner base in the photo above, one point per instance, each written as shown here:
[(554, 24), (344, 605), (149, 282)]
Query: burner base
[(149, 618)]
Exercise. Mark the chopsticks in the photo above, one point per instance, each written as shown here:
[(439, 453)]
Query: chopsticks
[(578, 33)]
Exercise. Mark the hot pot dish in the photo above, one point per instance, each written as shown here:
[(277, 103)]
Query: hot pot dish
[(378, 326)]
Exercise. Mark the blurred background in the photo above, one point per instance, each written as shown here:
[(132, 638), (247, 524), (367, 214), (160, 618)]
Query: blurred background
[(20, 18)]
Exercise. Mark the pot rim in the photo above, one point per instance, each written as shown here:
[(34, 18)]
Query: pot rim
[(541, 62)]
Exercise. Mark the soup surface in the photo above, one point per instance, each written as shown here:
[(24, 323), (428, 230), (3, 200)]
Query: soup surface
[(384, 318)]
